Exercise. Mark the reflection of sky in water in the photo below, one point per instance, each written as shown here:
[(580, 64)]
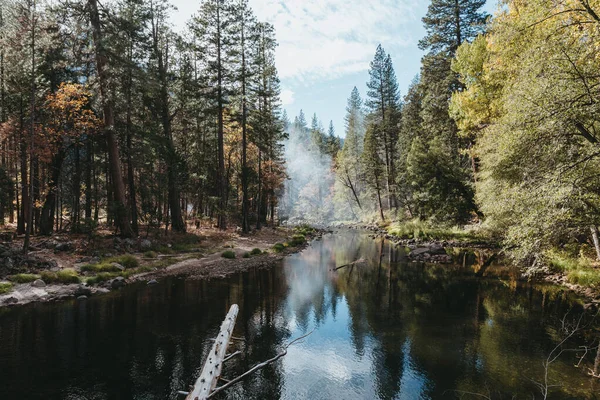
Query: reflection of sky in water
[(326, 365)]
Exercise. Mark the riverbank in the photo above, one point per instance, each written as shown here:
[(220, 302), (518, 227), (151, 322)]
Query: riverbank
[(428, 245), (71, 266)]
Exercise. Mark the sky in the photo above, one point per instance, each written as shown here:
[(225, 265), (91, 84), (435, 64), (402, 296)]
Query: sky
[(325, 47)]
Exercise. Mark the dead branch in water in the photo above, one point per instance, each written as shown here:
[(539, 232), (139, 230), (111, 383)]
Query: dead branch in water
[(258, 366), (360, 260)]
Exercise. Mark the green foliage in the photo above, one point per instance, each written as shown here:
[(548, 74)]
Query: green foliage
[(246, 255), (64, 276), (579, 270), (150, 254), (256, 251), (23, 278), (417, 229), (297, 240), (278, 247), (228, 254), (5, 287)]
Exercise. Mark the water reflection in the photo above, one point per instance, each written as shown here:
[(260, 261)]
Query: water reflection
[(383, 329)]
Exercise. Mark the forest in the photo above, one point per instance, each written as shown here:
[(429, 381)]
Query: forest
[(108, 117)]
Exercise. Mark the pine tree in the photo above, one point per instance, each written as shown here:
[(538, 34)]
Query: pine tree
[(384, 107), (451, 22), (213, 27)]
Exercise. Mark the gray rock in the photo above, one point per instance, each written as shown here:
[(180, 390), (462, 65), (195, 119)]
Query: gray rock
[(11, 300), (67, 246), (419, 251), (437, 249), (145, 244), (82, 297), (83, 291), (152, 282), (129, 242), (118, 266), (118, 282), (38, 283), (7, 263)]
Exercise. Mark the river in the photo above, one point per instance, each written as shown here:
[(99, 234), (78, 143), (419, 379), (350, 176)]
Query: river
[(386, 329)]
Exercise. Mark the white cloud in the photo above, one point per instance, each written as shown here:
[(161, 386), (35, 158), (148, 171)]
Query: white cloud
[(328, 39), (287, 97)]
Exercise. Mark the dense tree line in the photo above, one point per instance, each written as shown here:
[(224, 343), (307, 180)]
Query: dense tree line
[(109, 115), (405, 156)]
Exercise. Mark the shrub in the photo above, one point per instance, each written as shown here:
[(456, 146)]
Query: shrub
[(66, 275), (5, 287), (150, 254), (228, 254), (297, 240), (102, 267), (126, 260), (23, 278), (278, 247), (246, 255), (256, 251)]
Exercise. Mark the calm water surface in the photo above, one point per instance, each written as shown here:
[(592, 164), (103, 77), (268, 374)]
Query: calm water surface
[(384, 330)]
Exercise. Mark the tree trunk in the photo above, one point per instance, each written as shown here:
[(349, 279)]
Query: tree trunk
[(47, 217), (130, 174), (222, 181), (121, 213), (594, 231)]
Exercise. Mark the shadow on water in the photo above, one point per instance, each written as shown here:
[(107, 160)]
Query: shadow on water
[(385, 329)]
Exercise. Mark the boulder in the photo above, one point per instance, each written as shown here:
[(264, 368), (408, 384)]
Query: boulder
[(66, 246), (118, 266), (82, 291), (145, 244), (11, 300), (152, 282), (38, 283), (82, 297), (117, 283)]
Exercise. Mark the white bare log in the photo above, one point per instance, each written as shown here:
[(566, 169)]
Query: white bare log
[(213, 365)]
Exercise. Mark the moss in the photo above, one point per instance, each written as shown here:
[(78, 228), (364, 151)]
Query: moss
[(228, 254), (256, 251), (5, 287), (66, 275), (23, 278), (278, 247)]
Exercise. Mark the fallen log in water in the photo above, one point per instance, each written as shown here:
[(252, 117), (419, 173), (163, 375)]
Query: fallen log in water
[(206, 385), (211, 371)]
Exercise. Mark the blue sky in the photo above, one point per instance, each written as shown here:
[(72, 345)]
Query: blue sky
[(325, 47)]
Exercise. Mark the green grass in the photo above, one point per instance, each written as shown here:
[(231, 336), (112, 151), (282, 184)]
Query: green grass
[(150, 254), (421, 230), (127, 260), (5, 287), (256, 251), (579, 270), (66, 275), (23, 278), (228, 254), (278, 247)]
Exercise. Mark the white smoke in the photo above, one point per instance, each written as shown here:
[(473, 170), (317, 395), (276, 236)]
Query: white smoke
[(308, 194)]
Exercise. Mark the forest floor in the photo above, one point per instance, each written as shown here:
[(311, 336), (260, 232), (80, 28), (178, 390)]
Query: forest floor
[(69, 265)]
